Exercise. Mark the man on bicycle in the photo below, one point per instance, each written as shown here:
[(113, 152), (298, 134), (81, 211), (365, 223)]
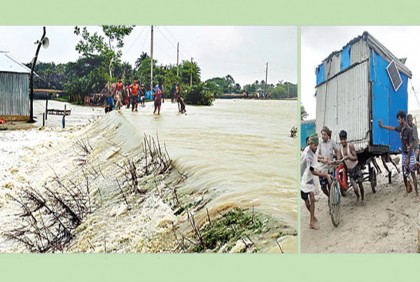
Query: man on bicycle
[(307, 173), (347, 153), (407, 146), (326, 151)]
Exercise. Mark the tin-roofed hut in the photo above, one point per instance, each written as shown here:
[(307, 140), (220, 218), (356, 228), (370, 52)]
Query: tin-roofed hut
[(358, 86), (14, 89)]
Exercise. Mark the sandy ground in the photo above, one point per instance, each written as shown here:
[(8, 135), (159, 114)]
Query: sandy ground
[(387, 223)]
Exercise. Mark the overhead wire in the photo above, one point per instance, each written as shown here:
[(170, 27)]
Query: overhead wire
[(415, 94), (138, 36)]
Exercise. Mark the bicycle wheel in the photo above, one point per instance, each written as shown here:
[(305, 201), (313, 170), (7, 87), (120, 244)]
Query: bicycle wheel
[(335, 203), (372, 179)]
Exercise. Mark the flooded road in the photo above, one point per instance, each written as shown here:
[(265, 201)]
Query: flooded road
[(237, 153)]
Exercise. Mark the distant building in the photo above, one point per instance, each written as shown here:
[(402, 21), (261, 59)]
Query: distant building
[(14, 89)]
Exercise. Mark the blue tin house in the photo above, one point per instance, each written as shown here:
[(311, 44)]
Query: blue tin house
[(356, 87)]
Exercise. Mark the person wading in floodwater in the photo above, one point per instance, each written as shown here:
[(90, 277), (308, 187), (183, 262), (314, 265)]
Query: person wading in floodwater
[(118, 94), (159, 99), (181, 103), (134, 87), (173, 93)]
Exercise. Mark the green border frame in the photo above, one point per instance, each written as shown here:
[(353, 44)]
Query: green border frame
[(209, 267)]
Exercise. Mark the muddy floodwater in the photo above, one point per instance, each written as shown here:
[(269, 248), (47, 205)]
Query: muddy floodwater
[(236, 153)]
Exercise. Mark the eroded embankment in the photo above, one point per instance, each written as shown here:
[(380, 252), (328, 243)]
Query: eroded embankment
[(106, 188)]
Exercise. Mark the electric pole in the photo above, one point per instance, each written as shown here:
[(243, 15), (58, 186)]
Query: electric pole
[(151, 62), (31, 77), (266, 75), (191, 71), (177, 59)]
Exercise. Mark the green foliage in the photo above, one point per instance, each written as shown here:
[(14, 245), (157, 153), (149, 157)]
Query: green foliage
[(143, 71), (229, 228), (100, 63), (85, 76), (109, 48), (283, 90), (48, 75), (198, 95), (214, 88), (186, 68), (225, 85)]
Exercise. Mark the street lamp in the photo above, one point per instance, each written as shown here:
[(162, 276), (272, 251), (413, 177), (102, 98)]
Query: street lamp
[(44, 42)]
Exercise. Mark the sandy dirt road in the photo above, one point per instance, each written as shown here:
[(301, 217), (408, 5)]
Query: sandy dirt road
[(387, 223)]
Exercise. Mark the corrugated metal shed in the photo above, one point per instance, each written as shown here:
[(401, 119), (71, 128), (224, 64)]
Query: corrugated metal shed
[(14, 88), (360, 47), (342, 104), (8, 64), (355, 95)]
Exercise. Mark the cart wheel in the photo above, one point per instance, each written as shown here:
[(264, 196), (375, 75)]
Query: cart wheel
[(372, 179), (335, 203)]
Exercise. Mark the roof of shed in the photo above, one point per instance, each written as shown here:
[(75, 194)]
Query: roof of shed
[(8, 64), (380, 49)]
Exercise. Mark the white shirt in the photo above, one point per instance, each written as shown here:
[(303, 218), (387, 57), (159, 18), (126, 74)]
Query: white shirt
[(307, 161)]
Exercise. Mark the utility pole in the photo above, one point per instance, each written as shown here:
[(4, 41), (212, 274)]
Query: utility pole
[(31, 78), (177, 59), (151, 62), (191, 71), (266, 75)]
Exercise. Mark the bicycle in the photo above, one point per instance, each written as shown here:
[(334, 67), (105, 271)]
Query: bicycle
[(339, 176)]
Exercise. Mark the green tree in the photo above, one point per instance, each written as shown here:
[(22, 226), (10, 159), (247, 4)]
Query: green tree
[(109, 47), (48, 75), (198, 94), (226, 84), (85, 76), (186, 68), (143, 56), (143, 71)]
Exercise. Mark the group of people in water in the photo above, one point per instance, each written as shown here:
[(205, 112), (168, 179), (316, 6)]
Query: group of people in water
[(135, 93), (318, 159)]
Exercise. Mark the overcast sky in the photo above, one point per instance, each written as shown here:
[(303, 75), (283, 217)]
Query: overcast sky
[(319, 42), (241, 52)]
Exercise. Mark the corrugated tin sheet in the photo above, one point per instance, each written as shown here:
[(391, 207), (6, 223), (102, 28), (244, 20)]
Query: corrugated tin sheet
[(345, 58), (332, 66), (359, 49), (347, 99), (386, 103), (385, 53), (320, 74), (14, 94), (8, 64)]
